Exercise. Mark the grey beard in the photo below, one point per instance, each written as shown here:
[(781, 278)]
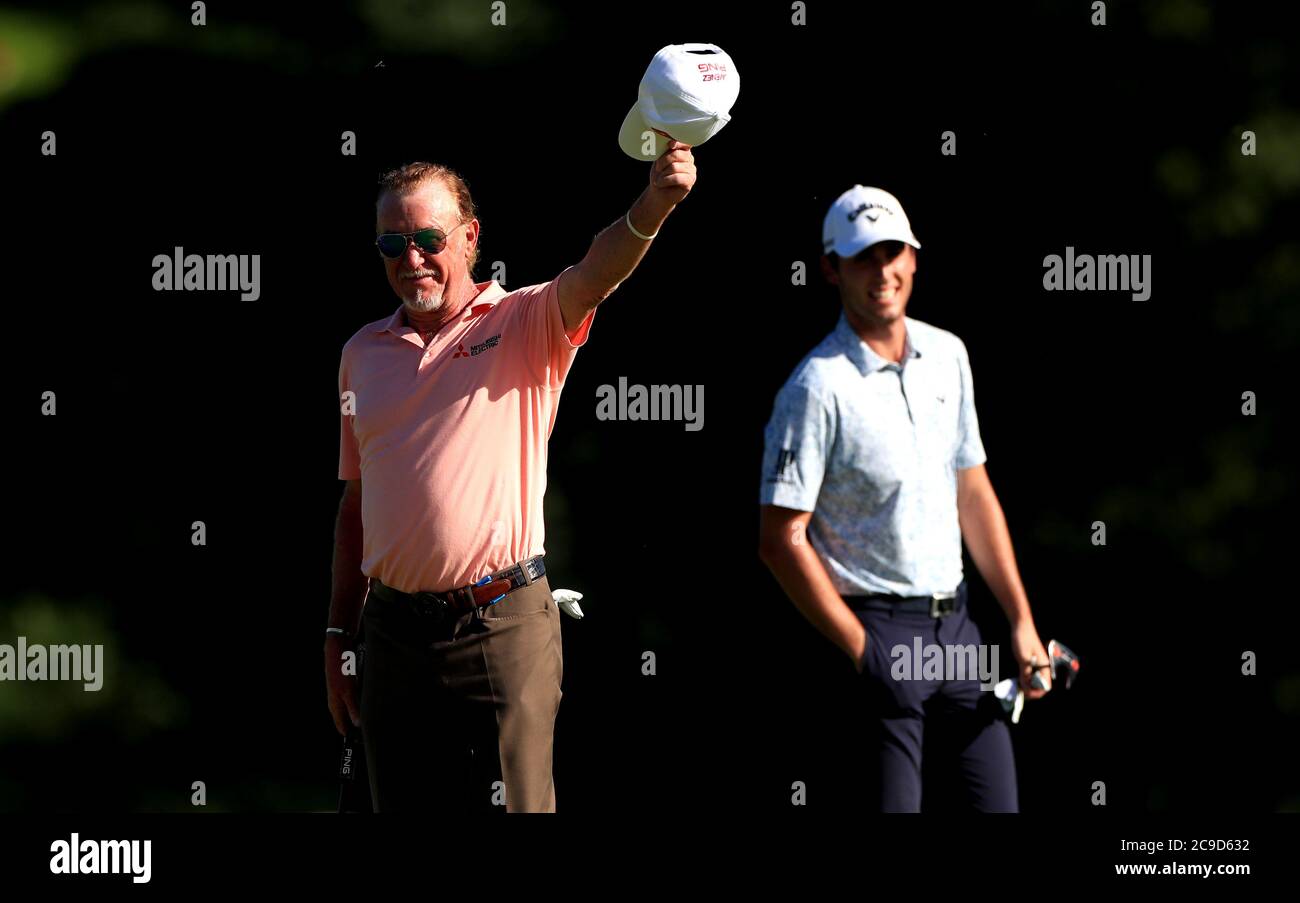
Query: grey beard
[(425, 302)]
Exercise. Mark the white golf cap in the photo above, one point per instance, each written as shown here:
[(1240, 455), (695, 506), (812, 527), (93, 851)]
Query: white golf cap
[(686, 92), (860, 217)]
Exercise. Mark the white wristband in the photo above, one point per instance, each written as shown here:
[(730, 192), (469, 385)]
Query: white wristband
[(627, 217)]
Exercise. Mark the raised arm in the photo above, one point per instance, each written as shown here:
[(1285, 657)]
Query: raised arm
[(616, 251)]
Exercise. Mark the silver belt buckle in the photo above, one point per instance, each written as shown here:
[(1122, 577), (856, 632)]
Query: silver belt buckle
[(942, 604)]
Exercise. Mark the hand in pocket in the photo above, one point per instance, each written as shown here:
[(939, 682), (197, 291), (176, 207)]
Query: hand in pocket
[(860, 660)]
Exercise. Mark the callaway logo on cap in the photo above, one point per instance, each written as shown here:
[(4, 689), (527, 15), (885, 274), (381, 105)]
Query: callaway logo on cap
[(860, 217), (687, 92)]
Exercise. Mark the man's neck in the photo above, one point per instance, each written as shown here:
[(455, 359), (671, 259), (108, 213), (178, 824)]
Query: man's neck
[(430, 322), (889, 340)]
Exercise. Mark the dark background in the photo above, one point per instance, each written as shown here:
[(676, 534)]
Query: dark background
[(175, 407)]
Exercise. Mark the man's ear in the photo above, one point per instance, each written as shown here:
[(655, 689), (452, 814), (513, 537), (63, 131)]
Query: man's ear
[(828, 271), (471, 239)]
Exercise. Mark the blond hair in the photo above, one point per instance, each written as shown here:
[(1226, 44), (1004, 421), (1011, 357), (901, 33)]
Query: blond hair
[(406, 179)]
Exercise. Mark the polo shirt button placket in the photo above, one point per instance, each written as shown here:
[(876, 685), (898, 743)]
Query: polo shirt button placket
[(902, 388)]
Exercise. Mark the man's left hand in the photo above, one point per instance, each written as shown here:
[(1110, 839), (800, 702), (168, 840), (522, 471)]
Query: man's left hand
[(672, 176), (1032, 658)]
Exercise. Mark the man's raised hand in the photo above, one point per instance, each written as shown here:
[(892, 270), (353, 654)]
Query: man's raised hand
[(672, 176)]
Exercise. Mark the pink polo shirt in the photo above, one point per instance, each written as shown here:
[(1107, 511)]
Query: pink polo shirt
[(449, 441)]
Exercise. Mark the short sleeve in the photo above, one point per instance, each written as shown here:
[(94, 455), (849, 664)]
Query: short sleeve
[(797, 445), (349, 454), (549, 349), (970, 448)]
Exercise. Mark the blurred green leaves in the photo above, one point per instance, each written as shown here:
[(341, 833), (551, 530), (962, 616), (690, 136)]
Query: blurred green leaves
[(1188, 20), (132, 703), (36, 53), (461, 29), (38, 50)]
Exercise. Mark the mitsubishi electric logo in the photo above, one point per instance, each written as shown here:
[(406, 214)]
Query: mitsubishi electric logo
[(475, 350), (484, 345)]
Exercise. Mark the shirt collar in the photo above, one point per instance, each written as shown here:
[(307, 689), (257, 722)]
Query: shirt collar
[(866, 360), (486, 295)]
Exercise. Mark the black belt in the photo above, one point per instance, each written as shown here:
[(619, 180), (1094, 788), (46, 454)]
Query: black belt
[(936, 605), (491, 589)]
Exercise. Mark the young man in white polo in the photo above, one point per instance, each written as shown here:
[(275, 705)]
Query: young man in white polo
[(873, 474)]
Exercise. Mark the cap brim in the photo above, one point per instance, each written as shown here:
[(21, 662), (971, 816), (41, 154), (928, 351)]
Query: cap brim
[(631, 137), (855, 247)]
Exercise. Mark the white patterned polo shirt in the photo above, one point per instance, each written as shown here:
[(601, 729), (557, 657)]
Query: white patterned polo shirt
[(872, 448)]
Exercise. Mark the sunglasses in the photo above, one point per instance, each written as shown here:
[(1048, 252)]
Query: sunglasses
[(394, 244)]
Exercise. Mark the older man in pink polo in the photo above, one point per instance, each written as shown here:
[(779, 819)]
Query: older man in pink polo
[(447, 406)]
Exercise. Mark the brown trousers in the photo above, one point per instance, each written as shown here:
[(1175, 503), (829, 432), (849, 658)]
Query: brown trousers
[(461, 717)]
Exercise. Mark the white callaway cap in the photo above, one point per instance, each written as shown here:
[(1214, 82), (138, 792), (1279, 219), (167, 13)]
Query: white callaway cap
[(687, 92), (860, 217)]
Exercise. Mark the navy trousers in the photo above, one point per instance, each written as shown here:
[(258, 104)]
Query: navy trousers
[(950, 732)]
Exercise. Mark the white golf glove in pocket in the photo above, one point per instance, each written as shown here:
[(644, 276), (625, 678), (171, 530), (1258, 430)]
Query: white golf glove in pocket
[(567, 599)]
